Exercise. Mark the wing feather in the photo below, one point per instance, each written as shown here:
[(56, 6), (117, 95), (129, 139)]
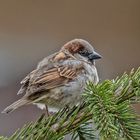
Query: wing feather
[(53, 74), (55, 77)]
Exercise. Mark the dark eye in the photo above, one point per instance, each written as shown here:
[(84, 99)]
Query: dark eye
[(84, 53)]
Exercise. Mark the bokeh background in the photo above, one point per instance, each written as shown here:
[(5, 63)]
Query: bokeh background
[(33, 29)]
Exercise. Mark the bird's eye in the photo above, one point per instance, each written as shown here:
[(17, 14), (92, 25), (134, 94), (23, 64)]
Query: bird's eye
[(84, 53)]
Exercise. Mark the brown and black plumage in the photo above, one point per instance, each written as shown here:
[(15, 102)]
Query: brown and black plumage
[(60, 78)]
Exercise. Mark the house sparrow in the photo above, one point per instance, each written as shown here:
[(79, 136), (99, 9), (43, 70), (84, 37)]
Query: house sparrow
[(60, 78)]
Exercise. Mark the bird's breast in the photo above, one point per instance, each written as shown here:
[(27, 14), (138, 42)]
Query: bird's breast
[(91, 73)]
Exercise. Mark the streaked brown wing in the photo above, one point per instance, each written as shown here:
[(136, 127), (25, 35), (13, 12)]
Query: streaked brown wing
[(55, 77), (24, 83), (26, 79)]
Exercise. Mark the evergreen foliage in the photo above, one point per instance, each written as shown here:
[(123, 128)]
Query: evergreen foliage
[(107, 106)]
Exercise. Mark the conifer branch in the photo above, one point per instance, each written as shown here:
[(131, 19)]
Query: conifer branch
[(108, 106)]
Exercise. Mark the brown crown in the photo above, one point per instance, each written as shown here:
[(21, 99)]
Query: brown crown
[(74, 46)]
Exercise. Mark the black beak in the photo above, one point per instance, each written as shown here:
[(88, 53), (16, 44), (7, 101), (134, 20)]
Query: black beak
[(94, 56)]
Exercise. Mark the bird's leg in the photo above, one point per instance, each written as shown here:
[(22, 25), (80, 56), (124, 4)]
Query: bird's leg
[(47, 111)]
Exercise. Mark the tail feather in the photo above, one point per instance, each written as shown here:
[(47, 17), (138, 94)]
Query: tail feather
[(15, 105)]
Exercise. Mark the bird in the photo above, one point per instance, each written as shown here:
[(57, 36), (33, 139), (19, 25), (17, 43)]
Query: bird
[(60, 78)]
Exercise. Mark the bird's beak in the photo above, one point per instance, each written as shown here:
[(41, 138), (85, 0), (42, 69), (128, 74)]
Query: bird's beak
[(94, 56)]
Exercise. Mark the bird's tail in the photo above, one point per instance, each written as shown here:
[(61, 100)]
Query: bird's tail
[(15, 105)]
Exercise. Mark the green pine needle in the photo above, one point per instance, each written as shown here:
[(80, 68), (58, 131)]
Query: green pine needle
[(107, 106)]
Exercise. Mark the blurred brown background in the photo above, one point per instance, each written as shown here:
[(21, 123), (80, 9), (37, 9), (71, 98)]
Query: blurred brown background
[(33, 29)]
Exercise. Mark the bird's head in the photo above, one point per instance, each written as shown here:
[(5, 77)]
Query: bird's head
[(82, 50)]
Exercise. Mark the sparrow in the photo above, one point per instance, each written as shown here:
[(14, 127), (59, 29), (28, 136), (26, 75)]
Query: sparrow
[(60, 78)]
